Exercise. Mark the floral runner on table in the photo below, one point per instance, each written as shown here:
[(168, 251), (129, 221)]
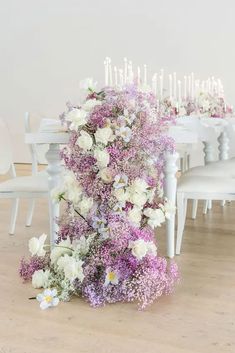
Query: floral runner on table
[(106, 250)]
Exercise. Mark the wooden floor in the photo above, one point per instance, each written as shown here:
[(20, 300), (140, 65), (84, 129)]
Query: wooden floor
[(198, 317)]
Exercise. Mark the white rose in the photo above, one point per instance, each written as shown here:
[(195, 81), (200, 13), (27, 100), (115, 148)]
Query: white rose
[(102, 157), (138, 248), (156, 217), (84, 141), (90, 104), (138, 199), (88, 83), (135, 215), (106, 175), (151, 194), (64, 247), (77, 117), (72, 268), (139, 186), (85, 205), (121, 195), (152, 249), (104, 135), (36, 245), (40, 279), (74, 193)]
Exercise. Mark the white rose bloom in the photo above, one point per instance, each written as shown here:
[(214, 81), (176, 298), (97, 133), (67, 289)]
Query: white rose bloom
[(64, 247), (77, 117), (135, 215), (156, 217), (74, 194), (121, 195), (72, 268), (84, 141), (169, 209), (139, 248), (102, 157), (138, 199), (85, 205), (36, 245), (88, 83), (104, 135), (56, 193), (139, 185), (90, 104), (106, 175), (152, 249), (151, 194), (40, 279)]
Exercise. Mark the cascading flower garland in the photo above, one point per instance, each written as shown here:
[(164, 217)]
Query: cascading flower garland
[(113, 188)]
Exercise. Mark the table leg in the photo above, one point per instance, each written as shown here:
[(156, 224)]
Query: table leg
[(223, 146), (170, 193), (208, 152), (54, 171)]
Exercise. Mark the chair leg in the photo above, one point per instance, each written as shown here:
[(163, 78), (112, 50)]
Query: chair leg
[(14, 212), (205, 206), (181, 221), (30, 213), (222, 203), (194, 209), (209, 204)]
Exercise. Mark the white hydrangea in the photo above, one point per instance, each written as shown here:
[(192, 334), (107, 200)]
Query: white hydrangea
[(102, 157), (40, 279), (84, 141), (64, 247)]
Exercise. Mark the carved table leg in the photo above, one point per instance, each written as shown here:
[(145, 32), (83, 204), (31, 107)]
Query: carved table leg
[(54, 171)]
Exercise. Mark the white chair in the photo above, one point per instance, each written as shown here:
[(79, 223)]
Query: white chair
[(30, 187), (200, 188), (35, 159)]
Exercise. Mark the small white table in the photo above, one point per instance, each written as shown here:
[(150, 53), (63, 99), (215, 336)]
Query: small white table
[(54, 140)]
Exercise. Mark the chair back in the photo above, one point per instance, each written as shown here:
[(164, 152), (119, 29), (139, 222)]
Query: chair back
[(6, 155)]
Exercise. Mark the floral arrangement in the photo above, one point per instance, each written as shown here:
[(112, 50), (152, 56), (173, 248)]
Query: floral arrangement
[(206, 104), (106, 250)]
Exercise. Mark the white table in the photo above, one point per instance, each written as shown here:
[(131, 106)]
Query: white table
[(181, 134), (54, 140)]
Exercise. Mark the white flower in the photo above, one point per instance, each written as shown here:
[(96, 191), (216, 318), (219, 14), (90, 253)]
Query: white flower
[(138, 199), (111, 277), (90, 104), (72, 267), (120, 181), (77, 117), (57, 193), (138, 248), (40, 279), (151, 194), (135, 215), (104, 135), (119, 207), (88, 83), (102, 157), (156, 217), (182, 111), (124, 132), (139, 185), (85, 205), (84, 141), (169, 209), (121, 195), (83, 244), (36, 245), (64, 247), (106, 175), (74, 193), (152, 249), (48, 298)]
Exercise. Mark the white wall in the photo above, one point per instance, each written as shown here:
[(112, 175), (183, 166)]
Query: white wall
[(47, 46)]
